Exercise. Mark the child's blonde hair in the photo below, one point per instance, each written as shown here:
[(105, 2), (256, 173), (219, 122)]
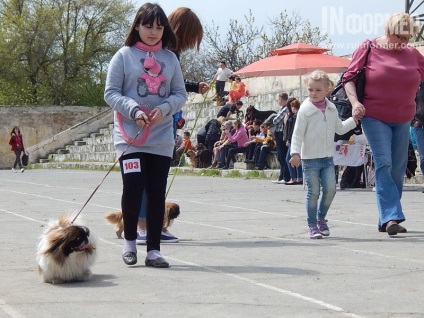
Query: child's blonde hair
[(319, 75)]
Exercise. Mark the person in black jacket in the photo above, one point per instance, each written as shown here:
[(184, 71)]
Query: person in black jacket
[(418, 124), (213, 132)]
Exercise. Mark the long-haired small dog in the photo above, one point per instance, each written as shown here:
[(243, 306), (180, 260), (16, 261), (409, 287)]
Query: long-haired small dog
[(200, 156), (172, 211), (66, 252)]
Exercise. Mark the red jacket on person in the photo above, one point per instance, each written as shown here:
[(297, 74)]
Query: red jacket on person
[(16, 142)]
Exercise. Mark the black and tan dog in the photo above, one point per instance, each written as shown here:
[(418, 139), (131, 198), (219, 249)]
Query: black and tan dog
[(172, 211), (200, 157)]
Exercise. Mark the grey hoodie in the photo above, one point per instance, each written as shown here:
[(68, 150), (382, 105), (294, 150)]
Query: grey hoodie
[(153, 79)]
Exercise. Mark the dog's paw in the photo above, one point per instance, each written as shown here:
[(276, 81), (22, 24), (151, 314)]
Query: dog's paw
[(85, 276)]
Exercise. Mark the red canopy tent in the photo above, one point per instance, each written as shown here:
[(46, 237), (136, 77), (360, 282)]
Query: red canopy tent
[(295, 59)]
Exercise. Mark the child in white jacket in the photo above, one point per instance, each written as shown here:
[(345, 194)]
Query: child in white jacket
[(313, 146)]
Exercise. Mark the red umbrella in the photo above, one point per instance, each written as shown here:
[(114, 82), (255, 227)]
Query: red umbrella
[(295, 59)]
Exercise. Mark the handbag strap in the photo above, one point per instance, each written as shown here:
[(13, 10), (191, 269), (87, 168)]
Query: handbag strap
[(363, 67)]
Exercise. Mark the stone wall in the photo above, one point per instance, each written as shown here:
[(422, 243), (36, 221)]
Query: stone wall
[(38, 123)]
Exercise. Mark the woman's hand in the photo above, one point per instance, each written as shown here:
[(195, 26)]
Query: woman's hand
[(358, 110)]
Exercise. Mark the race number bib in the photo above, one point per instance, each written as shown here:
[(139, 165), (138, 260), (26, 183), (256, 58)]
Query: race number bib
[(131, 165)]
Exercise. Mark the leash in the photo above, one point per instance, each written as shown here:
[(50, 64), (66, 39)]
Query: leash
[(138, 142), (191, 133), (133, 141)]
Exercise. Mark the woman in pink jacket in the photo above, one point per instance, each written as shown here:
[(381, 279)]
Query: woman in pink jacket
[(240, 136)]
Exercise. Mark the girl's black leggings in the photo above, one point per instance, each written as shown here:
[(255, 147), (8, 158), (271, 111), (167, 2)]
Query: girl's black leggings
[(150, 172)]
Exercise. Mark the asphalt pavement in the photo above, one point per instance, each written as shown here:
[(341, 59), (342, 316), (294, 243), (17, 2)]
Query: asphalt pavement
[(243, 252)]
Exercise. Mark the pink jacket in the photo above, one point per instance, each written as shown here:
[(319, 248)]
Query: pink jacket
[(240, 136)]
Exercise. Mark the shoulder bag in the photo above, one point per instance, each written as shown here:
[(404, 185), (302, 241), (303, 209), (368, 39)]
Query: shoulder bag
[(339, 97)]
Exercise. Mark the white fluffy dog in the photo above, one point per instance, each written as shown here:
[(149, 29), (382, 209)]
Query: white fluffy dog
[(66, 252)]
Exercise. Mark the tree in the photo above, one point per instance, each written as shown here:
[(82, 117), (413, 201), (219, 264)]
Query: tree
[(55, 51), (245, 43)]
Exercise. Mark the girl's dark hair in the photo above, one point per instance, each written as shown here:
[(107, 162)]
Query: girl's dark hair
[(13, 130), (289, 110), (187, 28), (295, 103), (147, 15)]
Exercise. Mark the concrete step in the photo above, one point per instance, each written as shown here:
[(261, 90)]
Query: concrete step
[(102, 166), (245, 166), (105, 131), (106, 139), (91, 148), (84, 157), (95, 135), (79, 143)]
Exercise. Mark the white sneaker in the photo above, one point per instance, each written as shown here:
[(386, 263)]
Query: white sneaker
[(275, 181), (141, 237), (22, 169), (13, 170)]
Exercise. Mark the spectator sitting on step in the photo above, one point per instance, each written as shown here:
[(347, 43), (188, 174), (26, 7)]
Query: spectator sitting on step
[(185, 145), (253, 131), (240, 137), (221, 147), (239, 92), (262, 150), (233, 85), (213, 132)]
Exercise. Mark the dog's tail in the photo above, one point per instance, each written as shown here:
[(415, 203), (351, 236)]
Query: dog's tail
[(114, 217)]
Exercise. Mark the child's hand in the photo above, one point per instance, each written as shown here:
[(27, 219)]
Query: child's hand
[(295, 160), (142, 120), (155, 115)]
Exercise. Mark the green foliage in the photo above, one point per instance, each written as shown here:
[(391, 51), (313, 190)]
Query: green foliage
[(56, 51)]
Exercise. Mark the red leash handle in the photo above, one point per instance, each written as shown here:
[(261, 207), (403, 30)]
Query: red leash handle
[(137, 141)]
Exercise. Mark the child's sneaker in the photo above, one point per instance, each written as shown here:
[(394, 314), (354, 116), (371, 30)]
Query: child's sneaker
[(14, 170), (314, 232), (141, 237), (323, 227)]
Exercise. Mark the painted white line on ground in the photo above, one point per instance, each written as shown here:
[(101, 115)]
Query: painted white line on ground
[(21, 216), (59, 200), (10, 311), (259, 284), (245, 209), (58, 187)]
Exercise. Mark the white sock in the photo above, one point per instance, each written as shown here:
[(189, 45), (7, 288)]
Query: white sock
[(129, 246), (153, 254)]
